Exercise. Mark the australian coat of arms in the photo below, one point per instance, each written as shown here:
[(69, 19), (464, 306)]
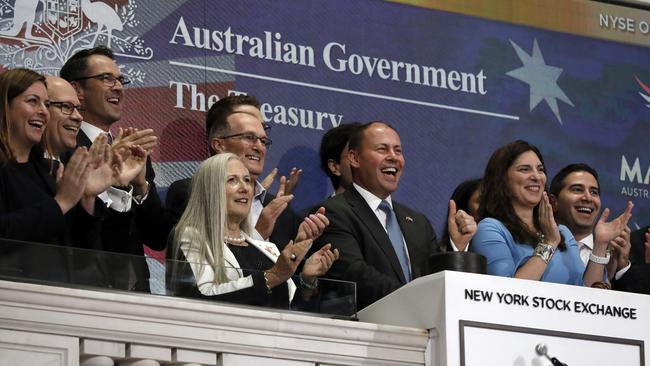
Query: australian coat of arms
[(43, 34)]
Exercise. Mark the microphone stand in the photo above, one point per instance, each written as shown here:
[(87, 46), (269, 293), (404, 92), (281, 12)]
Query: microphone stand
[(542, 350)]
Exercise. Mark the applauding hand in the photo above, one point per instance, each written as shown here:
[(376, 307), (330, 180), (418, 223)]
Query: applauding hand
[(319, 263), (547, 222), (313, 225), (271, 212), (605, 231)]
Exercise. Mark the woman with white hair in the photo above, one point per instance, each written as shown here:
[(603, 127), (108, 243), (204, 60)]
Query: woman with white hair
[(216, 238)]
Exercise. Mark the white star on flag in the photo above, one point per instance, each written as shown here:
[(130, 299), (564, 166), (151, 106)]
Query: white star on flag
[(541, 78)]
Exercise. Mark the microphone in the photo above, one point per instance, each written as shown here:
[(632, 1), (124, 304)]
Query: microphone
[(542, 350)]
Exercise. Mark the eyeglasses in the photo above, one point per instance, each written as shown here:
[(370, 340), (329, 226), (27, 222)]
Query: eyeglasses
[(66, 107), (249, 138), (108, 79)]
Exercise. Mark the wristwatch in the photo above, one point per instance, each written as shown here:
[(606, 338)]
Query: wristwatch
[(598, 259), (544, 251)]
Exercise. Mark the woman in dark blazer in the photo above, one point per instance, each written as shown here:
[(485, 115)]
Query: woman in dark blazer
[(32, 202)]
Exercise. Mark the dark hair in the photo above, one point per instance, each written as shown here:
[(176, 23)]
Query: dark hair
[(77, 65), (496, 198), (356, 138), (558, 180), (12, 83), (215, 119), (332, 145), (461, 196), (463, 193)]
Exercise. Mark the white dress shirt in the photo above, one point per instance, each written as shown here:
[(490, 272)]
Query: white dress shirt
[(258, 203)]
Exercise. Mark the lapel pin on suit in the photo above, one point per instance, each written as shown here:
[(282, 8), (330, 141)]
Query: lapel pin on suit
[(409, 219)]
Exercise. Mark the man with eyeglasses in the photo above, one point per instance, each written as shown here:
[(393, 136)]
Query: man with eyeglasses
[(65, 116), (61, 136), (135, 209), (234, 124)]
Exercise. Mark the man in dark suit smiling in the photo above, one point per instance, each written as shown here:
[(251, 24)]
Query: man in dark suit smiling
[(383, 244), (134, 213)]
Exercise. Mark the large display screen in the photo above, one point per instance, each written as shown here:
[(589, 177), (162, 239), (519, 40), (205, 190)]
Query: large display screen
[(455, 85)]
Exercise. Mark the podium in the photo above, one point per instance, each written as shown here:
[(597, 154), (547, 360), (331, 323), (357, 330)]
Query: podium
[(487, 320)]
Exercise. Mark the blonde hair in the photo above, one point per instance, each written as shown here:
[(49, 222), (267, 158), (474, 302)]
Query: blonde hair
[(203, 222)]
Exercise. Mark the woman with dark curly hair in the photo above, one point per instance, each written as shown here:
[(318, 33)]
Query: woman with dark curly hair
[(518, 233)]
